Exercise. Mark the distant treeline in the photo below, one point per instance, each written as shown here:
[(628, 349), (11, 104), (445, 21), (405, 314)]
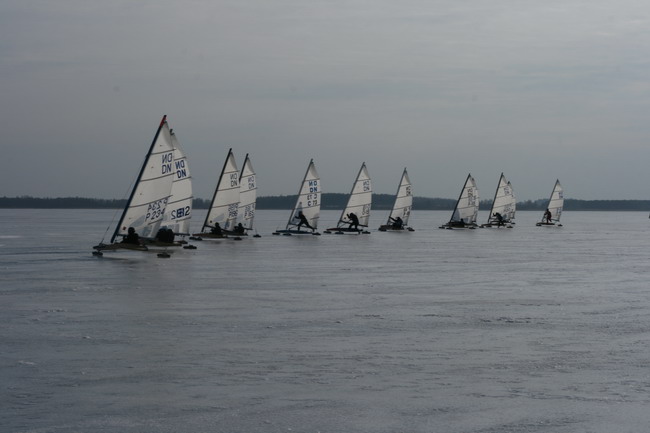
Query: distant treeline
[(329, 201)]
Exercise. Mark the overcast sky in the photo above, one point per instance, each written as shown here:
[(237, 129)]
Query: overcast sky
[(537, 89)]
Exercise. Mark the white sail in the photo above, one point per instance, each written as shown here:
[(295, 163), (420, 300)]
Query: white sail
[(467, 204), (504, 202), (556, 202), (403, 201), (179, 208), (223, 208), (308, 201), (146, 206), (247, 194), (359, 201)]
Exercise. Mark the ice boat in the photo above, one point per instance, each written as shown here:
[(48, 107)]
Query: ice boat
[(355, 216), (398, 218), (553, 212), (466, 210), (502, 213), (306, 212)]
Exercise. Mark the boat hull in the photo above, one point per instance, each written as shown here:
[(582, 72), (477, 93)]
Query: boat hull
[(543, 224), (295, 232), (159, 244), (210, 235), (458, 227), (346, 230), (506, 225), (390, 228), (232, 233), (120, 246)]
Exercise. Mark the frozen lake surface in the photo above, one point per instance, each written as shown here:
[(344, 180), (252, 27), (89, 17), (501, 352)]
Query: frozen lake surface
[(531, 329)]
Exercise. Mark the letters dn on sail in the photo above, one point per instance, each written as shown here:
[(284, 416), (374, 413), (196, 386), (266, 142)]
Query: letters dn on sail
[(167, 160), (181, 171)]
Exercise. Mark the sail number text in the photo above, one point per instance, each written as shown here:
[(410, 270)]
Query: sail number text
[(249, 211), (312, 199), (155, 209), (314, 193), (181, 212)]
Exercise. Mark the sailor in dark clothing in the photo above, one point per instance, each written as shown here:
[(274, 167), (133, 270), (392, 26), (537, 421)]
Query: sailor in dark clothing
[(303, 221), (499, 218), (548, 216), (216, 230), (354, 221), (397, 222), (239, 229), (460, 223), (165, 235), (132, 237)]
